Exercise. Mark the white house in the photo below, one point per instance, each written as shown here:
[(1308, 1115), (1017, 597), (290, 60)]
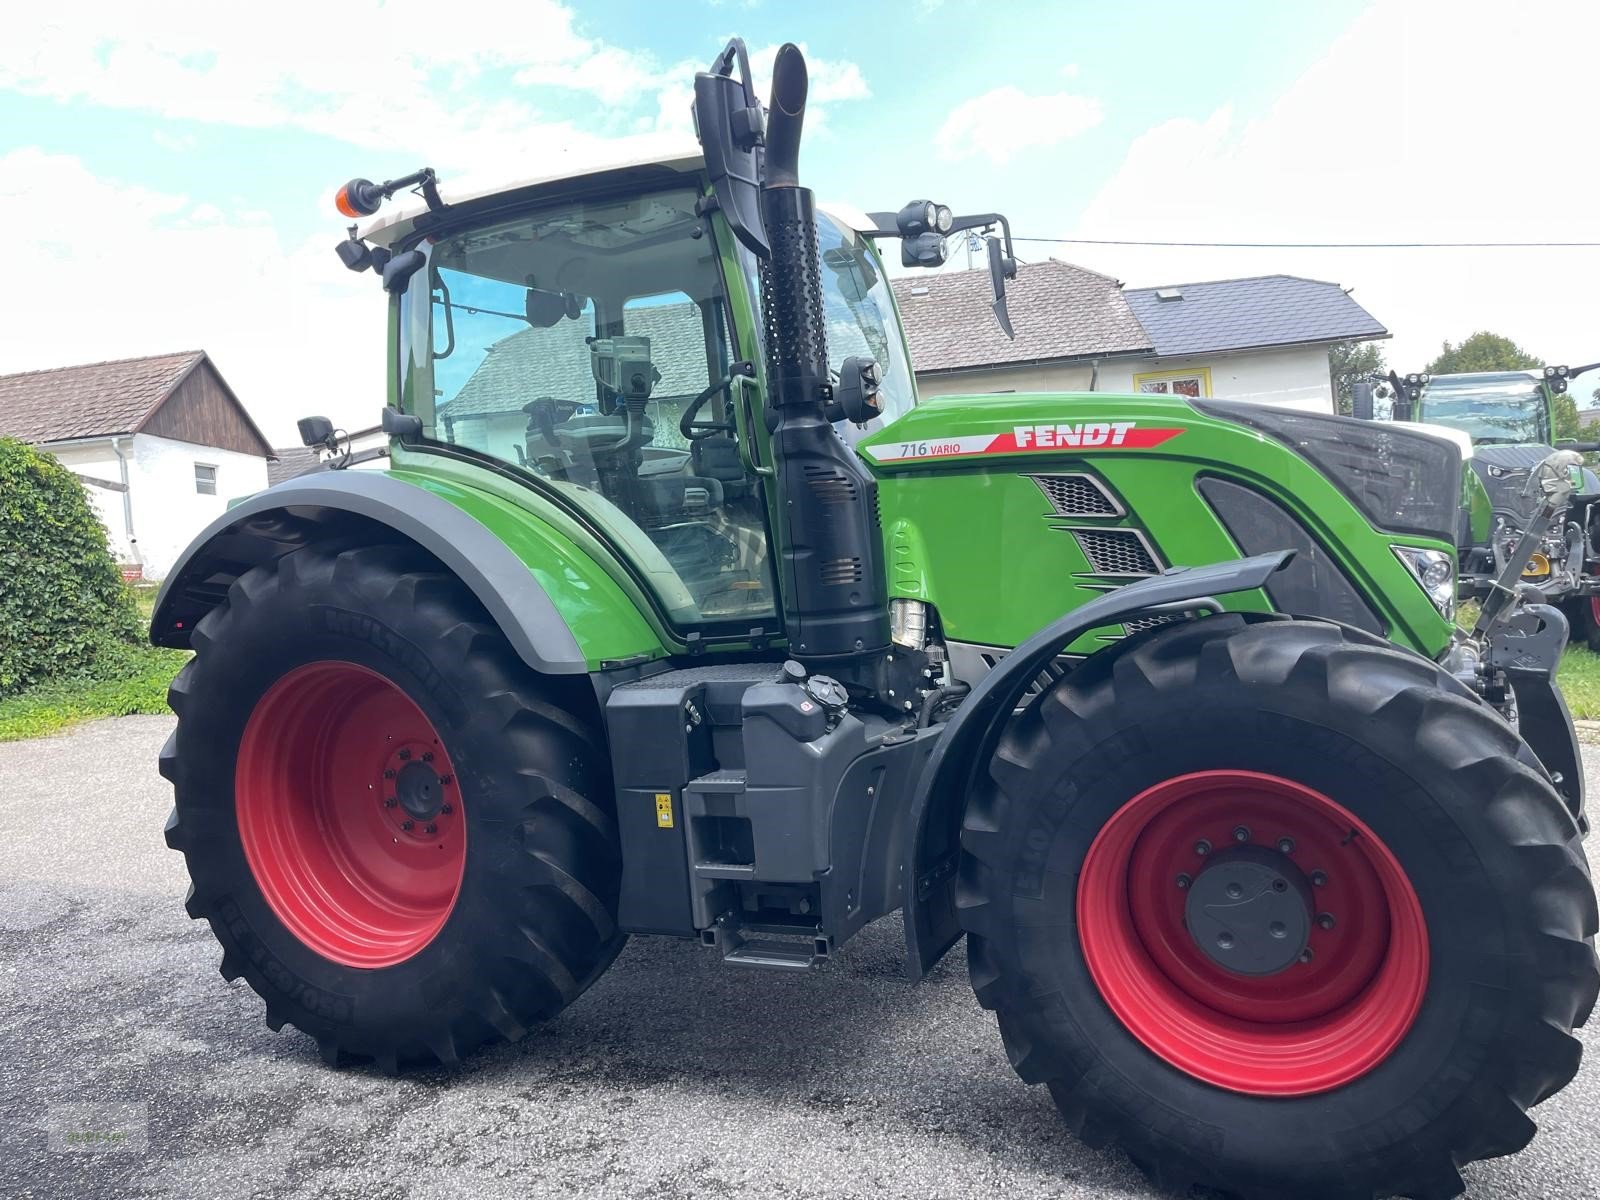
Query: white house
[(162, 443), (1264, 338)]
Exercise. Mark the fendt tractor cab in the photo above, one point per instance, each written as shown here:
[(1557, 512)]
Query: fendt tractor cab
[(1509, 418), (1158, 701)]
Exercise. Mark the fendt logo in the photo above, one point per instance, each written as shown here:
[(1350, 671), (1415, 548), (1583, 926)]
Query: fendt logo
[(1090, 433), (1085, 435)]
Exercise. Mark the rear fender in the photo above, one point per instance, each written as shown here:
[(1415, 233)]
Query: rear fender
[(270, 524), (969, 738)]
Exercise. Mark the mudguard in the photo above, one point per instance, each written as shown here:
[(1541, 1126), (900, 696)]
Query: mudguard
[(269, 524), (969, 738)]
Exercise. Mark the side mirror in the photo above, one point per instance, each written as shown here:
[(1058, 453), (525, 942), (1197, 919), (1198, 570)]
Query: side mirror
[(857, 390), (1001, 268), (315, 431), (544, 309), (732, 131), (1361, 400)]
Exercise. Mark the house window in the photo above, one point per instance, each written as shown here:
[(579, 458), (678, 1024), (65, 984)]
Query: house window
[(205, 479), (1195, 382)]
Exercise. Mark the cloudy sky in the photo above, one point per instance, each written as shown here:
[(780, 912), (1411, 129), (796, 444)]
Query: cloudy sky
[(167, 168)]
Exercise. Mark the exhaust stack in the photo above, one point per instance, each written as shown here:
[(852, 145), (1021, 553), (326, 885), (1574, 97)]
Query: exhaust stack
[(830, 549)]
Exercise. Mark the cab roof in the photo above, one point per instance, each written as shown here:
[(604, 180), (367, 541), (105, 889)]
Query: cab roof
[(397, 218)]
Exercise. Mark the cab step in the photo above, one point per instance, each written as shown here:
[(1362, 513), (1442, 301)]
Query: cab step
[(774, 948)]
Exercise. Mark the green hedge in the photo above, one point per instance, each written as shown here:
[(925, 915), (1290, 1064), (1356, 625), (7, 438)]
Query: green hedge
[(63, 603)]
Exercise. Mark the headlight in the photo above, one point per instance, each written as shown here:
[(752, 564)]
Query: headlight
[(1435, 573)]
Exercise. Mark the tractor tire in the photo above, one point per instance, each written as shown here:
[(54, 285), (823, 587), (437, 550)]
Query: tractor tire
[(1279, 909), (403, 838)]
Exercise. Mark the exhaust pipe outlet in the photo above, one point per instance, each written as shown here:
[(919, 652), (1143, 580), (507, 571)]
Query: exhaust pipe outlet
[(786, 116)]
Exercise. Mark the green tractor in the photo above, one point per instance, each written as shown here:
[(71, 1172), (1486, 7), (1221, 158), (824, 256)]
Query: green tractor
[(1505, 420), (673, 612)]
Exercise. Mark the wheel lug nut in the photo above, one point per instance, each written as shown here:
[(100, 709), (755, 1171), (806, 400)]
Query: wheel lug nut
[(427, 756), (1202, 847), (1326, 920), (447, 780), (408, 823), (430, 828), (1306, 955), (1225, 940), (1234, 891), (1241, 833), (1183, 882), (1319, 879), (1286, 845), (389, 774), (404, 754), (447, 809), (389, 802)]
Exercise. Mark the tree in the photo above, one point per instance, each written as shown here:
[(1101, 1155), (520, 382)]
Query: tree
[(62, 601), (1349, 363), (1483, 351), (1568, 424)]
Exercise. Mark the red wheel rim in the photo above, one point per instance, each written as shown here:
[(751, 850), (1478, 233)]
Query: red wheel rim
[(1317, 1025), (1594, 609), (350, 815)]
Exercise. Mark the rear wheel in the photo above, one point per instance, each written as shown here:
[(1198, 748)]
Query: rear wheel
[(1279, 909), (402, 838)]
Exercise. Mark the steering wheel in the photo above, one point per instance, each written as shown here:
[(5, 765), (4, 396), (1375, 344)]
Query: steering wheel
[(697, 431)]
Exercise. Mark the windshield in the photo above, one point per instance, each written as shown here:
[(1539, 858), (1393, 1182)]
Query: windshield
[(1507, 407), (572, 343), (859, 307), (862, 322)]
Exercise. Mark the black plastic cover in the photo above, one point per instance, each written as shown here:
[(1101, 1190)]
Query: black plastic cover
[(1404, 481), (1312, 585)]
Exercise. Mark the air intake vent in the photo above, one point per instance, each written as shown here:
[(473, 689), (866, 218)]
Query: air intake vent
[(1116, 552), (840, 571), (830, 486), (1077, 496), (1140, 624)]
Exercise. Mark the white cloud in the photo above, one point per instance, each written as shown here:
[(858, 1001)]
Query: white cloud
[(1002, 123), (111, 270), (465, 93), (1435, 121)]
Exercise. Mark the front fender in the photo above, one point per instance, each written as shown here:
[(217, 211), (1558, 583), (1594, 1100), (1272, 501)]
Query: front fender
[(969, 738), (502, 567)]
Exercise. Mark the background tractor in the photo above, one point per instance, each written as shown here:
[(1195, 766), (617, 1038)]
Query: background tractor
[(675, 613), (1510, 419)]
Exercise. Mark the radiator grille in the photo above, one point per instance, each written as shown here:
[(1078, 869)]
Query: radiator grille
[(1077, 496), (1116, 552)]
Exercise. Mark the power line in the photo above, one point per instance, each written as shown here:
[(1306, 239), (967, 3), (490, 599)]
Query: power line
[(1319, 245)]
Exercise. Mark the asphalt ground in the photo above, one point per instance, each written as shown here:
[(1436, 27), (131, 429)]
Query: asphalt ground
[(674, 1076)]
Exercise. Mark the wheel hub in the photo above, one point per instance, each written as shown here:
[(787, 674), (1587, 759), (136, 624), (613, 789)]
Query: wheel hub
[(418, 790), (1250, 911)]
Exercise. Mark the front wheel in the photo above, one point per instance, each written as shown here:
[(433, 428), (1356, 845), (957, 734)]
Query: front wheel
[(403, 838), (1278, 908)]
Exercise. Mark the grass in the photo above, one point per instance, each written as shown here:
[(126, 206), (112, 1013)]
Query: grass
[(124, 679)]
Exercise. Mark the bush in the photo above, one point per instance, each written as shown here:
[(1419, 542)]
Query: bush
[(63, 604)]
